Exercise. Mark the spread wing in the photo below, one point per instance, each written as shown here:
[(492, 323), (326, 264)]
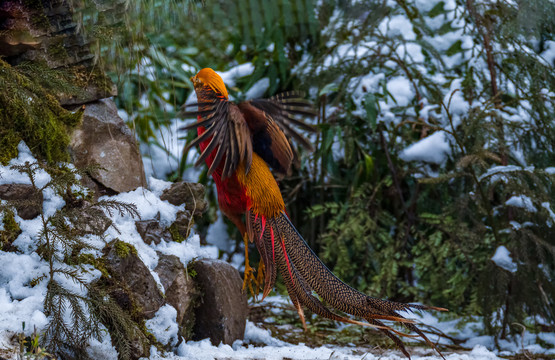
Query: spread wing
[(262, 125), (272, 122), (228, 135)]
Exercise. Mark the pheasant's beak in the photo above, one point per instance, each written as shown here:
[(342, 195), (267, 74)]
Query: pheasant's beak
[(196, 81)]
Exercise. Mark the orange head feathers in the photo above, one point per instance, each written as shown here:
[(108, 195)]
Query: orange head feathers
[(208, 77)]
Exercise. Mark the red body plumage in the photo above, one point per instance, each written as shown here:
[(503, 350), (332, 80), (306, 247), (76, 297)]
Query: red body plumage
[(232, 195)]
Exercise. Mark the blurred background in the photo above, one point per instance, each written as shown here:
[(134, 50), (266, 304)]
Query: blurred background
[(432, 178)]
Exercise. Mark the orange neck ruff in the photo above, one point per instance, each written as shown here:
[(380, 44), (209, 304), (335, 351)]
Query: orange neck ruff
[(210, 78), (261, 188)]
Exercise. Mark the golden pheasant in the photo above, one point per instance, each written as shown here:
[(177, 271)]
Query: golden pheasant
[(240, 143)]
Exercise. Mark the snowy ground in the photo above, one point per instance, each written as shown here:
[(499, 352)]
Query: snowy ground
[(203, 350), (21, 302)]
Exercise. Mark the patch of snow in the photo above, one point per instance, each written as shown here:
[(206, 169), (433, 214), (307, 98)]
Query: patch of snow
[(426, 5), (401, 90), (204, 350), (164, 326), (102, 349), (522, 201), (217, 235), (158, 161), (496, 172), (547, 206), (254, 334), (187, 250), (515, 225), (433, 149), (502, 258), (549, 53), (412, 51), (9, 176), (398, 25), (258, 89), (230, 76), (455, 101), (188, 68), (158, 186), (481, 352)]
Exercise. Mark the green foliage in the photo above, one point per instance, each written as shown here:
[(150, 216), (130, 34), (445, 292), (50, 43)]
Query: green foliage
[(421, 232), (31, 113)]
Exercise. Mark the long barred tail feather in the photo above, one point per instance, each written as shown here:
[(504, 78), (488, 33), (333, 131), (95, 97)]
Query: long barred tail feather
[(281, 246), (269, 238)]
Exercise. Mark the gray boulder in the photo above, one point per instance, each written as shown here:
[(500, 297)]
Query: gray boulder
[(103, 139), (222, 311), (190, 194), (27, 201)]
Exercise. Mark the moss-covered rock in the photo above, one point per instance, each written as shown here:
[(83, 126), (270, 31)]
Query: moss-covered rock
[(132, 275), (124, 249), (32, 114)]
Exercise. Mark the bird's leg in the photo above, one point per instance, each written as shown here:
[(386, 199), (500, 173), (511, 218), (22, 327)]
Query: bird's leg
[(259, 276), (248, 277)]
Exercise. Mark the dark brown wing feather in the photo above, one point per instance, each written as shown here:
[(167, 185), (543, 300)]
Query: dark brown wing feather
[(262, 125), (227, 132), (271, 120)]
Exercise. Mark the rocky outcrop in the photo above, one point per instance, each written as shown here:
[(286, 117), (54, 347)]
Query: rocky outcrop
[(27, 201), (48, 33), (43, 35), (222, 311), (45, 32), (105, 141)]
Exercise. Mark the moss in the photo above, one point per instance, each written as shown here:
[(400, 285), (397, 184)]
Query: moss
[(174, 232), (83, 77), (11, 230), (191, 269), (124, 249), (32, 114), (56, 50), (9, 139), (98, 263), (38, 18)]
